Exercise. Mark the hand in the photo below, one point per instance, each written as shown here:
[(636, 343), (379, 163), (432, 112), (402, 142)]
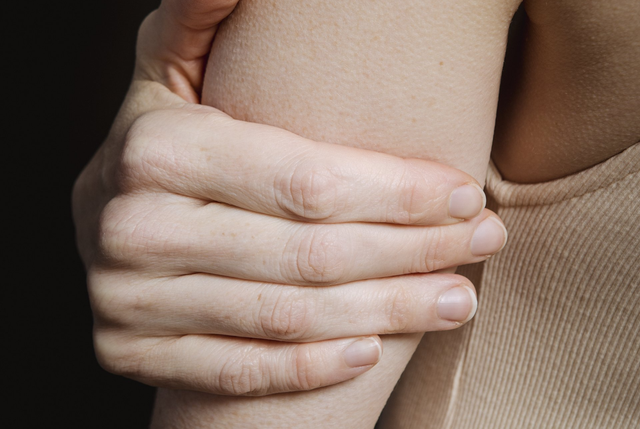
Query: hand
[(206, 238)]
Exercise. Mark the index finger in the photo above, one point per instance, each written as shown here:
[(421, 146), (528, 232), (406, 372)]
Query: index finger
[(272, 171)]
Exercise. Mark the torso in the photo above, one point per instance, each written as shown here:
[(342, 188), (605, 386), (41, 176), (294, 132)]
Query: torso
[(571, 89)]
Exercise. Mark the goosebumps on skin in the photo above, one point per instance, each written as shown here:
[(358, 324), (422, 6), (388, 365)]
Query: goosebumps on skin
[(411, 78)]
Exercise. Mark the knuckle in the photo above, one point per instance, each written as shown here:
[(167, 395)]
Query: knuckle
[(412, 205), (140, 143), (129, 232), (148, 152), (243, 375), (115, 231), (303, 375), (398, 310), (431, 257), (119, 232), (287, 315), (319, 256), (256, 374), (309, 192)]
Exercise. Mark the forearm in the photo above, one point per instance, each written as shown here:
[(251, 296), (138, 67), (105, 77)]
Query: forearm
[(407, 78)]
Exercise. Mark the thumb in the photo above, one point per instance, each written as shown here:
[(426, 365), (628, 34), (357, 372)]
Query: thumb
[(174, 42)]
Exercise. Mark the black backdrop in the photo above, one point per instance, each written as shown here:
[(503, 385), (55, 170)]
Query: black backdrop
[(72, 68), (101, 73)]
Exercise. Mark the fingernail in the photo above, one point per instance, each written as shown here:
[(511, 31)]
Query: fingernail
[(458, 304), (366, 351), (490, 237), (466, 202)]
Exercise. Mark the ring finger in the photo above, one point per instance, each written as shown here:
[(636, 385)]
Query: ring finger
[(206, 304)]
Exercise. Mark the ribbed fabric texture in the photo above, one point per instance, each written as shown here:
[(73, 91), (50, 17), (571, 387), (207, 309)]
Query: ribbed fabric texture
[(556, 340)]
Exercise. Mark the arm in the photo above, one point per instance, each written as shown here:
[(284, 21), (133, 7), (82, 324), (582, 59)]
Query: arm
[(570, 99), (166, 208), (396, 77)]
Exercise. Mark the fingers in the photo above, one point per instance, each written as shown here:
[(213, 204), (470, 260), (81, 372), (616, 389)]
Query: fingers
[(160, 337), (179, 238), (204, 304), (272, 171), (174, 41), (233, 366)]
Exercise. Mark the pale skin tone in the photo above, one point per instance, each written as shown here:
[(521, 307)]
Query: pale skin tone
[(197, 253), (378, 89), (329, 120), (317, 94)]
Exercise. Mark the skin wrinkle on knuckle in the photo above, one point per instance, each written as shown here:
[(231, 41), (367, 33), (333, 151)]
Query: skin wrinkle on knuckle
[(410, 184), (320, 256), (302, 375), (438, 185), (286, 315), (115, 228), (141, 143), (151, 156), (126, 304), (409, 209), (130, 232), (432, 247), (242, 375), (310, 191), (398, 309)]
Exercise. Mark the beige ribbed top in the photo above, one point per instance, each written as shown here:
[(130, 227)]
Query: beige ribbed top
[(556, 340)]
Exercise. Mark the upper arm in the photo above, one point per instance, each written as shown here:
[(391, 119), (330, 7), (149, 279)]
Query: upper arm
[(411, 78)]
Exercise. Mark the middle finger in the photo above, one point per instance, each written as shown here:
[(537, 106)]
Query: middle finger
[(183, 238)]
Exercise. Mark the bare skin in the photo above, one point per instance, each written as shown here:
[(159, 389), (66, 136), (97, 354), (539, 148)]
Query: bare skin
[(388, 76), (270, 269), (330, 73), (151, 352), (572, 95)]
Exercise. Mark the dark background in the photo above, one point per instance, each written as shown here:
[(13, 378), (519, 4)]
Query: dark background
[(106, 34), (66, 68)]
